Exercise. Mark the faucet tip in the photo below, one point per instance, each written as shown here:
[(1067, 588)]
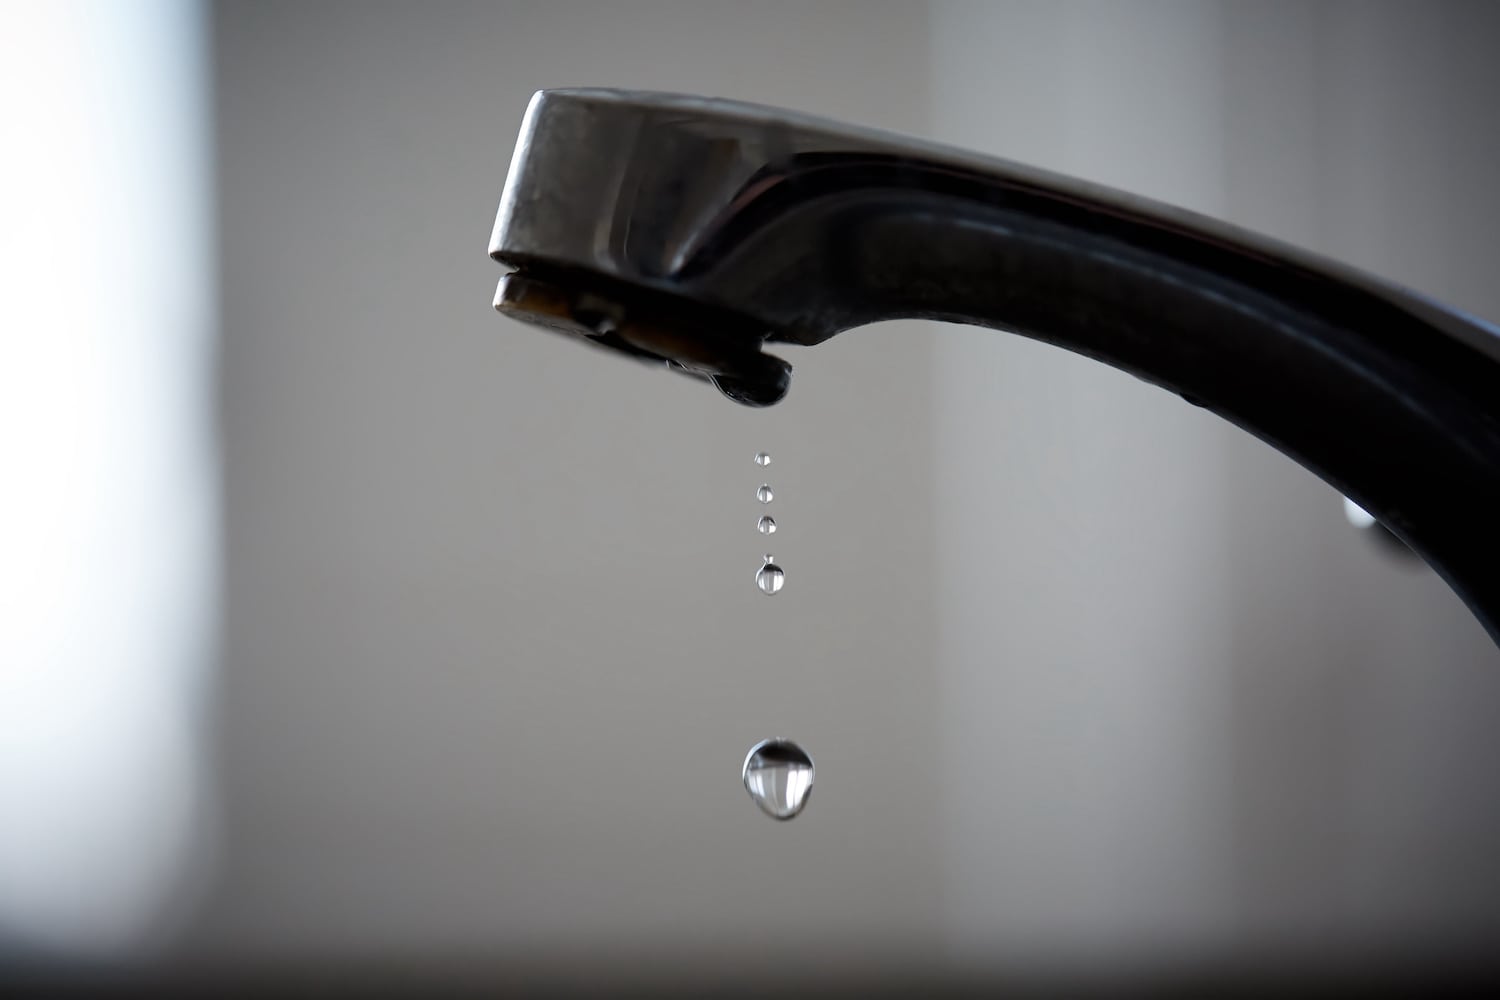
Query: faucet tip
[(654, 327)]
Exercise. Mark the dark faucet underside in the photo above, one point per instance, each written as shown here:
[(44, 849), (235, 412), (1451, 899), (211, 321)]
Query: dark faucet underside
[(691, 232)]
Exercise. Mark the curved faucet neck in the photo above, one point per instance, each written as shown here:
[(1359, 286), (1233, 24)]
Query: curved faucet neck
[(710, 228)]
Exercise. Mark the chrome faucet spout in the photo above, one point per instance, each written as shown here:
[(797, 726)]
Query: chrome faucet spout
[(693, 232)]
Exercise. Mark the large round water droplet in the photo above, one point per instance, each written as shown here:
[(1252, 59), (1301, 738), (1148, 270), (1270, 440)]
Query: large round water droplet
[(769, 578), (764, 494), (766, 525), (778, 774), (761, 458)]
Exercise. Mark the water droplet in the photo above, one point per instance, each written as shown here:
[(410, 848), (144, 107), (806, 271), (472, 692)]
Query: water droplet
[(764, 494), (770, 578), (766, 525), (761, 458), (778, 774)]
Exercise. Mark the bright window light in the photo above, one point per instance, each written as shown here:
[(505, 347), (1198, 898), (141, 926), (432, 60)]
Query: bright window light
[(108, 550)]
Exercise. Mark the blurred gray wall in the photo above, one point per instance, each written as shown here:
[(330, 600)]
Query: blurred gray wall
[(1086, 673), (1187, 707), (494, 649)]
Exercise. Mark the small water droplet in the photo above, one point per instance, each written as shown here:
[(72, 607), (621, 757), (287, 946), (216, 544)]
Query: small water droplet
[(778, 774), (770, 578), (764, 494), (761, 458), (766, 525)]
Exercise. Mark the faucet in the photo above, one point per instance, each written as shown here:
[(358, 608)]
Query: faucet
[(692, 232)]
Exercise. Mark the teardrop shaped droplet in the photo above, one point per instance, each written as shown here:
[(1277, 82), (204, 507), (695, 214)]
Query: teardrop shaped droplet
[(761, 458), (770, 578), (766, 525), (764, 494), (778, 774)]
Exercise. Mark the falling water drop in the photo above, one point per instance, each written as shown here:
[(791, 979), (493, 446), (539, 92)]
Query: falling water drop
[(761, 458), (778, 774), (770, 578), (766, 525), (764, 494)]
